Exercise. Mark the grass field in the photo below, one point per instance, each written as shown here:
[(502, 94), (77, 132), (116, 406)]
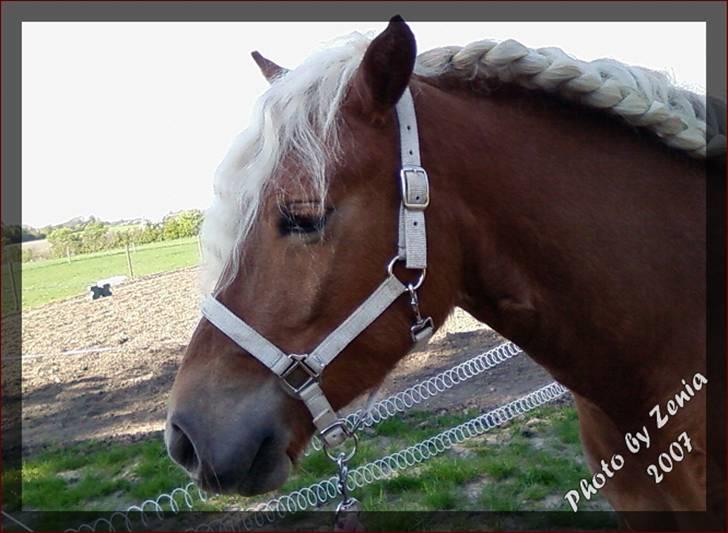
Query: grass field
[(56, 279), (526, 466)]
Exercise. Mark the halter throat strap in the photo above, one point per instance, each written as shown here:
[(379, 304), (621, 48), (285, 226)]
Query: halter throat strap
[(300, 374)]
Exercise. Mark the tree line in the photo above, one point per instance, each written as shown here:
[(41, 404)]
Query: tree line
[(97, 236), (14, 234)]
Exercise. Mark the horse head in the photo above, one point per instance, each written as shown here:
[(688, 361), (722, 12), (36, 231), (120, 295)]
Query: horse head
[(307, 208)]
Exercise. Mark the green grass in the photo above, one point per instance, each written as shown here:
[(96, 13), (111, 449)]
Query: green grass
[(96, 476), (57, 279), (518, 468)]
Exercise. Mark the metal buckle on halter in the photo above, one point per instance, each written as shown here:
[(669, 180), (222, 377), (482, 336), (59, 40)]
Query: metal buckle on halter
[(335, 435), (298, 361), (415, 187)]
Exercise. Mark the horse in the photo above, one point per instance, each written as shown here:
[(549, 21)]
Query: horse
[(566, 209)]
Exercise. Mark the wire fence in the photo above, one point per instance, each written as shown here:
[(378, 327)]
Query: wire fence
[(143, 516), (317, 494)]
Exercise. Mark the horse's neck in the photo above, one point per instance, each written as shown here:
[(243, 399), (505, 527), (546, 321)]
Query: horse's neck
[(584, 240)]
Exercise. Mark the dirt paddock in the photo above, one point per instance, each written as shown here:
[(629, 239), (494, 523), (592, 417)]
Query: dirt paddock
[(103, 369)]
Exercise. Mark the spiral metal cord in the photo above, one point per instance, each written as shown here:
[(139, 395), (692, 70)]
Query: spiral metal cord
[(326, 490), (424, 390), (181, 498)]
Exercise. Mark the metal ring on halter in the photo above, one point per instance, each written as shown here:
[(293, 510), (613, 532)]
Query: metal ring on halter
[(341, 455), (420, 280)]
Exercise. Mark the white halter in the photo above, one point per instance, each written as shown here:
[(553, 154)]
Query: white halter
[(300, 373)]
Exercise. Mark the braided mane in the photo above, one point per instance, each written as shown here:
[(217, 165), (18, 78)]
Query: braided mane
[(640, 96)]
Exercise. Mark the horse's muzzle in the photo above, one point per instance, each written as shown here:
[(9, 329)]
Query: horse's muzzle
[(248, 457)]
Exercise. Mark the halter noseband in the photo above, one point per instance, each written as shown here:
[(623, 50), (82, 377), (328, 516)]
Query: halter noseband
[(300, 373)]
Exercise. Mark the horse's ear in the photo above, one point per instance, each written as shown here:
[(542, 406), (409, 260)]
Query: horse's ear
[(385, 69), (270, 70)]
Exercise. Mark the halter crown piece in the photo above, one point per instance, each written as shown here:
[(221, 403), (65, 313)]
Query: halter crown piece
[(300, 374)]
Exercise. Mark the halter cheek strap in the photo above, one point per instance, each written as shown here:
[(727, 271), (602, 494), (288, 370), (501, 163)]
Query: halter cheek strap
[(412, 245), (301, 373)]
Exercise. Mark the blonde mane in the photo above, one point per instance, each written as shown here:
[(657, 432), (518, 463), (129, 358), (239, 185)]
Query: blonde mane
[(298, 115)]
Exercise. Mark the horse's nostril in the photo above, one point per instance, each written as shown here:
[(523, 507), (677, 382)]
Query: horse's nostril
[(181, 449)]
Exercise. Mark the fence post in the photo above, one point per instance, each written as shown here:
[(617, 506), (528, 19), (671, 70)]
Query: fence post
[(13, 285), (199, 247), (128, 261), (68, 254)]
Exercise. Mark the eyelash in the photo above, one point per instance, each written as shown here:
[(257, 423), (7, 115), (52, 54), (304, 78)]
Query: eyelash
[(301, 224)]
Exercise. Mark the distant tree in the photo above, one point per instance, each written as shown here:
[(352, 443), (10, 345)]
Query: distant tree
[(149, 233), (63, 240), (60, 236), (31, 234), (93, 237), (11, 233), (184, 224), (59, 239)]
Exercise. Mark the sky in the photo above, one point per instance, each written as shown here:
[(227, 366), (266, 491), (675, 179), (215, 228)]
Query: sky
[(125, 120)]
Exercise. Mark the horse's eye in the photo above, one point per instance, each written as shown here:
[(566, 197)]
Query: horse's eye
[(302, 219)]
